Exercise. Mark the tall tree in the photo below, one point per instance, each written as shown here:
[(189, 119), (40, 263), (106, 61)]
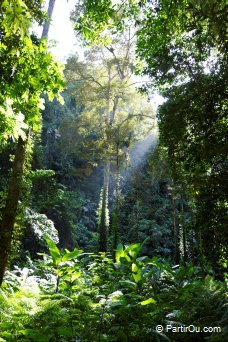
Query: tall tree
[(23, 79), (184, 50), (113, 110)]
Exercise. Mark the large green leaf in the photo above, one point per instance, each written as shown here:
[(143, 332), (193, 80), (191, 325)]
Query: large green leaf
[(119, 252), (54, 251), (136, 272), (71, 255), (133, 250)]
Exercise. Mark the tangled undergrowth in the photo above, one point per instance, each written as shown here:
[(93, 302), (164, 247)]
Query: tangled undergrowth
[(76, 296)]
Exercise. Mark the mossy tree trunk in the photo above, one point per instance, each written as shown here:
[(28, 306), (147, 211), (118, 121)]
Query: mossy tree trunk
[(116, 212), (103, 225), (176, 253), (10, 210)]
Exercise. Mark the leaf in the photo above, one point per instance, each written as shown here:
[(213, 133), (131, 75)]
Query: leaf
[(148, 301), (75, 276), (137, 272), (115, 294), (119, 252), (127, 283), (133, 250), (54, 251), (65, 331), (71, 255), (134, 268)]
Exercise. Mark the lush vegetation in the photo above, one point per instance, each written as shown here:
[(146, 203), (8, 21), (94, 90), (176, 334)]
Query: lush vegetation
[(112, 216), (88, 297)]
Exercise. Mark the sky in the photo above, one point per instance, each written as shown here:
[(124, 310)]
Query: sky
[(61, 30)]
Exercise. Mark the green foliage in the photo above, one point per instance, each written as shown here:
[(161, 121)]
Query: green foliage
[(192, 125), (35, 227), (182, 47), (75, 296), (56, 254), (27, 69), (97, 299), (151, 204), (62, 206), (113, 116), (187, 60), (41, 225), (95, 20)]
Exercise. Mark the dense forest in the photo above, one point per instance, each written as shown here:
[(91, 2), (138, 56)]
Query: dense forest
[(113, 213)]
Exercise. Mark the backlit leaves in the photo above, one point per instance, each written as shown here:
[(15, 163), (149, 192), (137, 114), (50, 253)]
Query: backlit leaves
[(26, 70)]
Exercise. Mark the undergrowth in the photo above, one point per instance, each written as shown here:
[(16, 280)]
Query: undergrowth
[(76, 296)]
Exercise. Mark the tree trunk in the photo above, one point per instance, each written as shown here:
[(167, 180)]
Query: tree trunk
[(10, 211), (46, 26), (175, 229), (104, 216), (103, 226), (183, 231), (116, 213)]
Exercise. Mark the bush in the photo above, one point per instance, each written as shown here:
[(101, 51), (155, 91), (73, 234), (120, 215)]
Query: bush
[(76, 296)]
